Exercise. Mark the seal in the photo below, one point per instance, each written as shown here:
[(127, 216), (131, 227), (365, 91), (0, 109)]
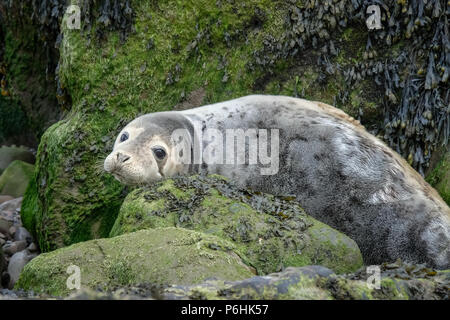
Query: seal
[(341, 174)]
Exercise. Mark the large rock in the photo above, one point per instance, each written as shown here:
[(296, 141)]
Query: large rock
[(9, 154), (162, 255), (174, 57), (271, 232), (14, 180), (439, 178)]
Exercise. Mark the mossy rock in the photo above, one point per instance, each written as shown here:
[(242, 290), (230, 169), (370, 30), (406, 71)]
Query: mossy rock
[(9, 154), (397, 282), (14, 180), (318, 283), (271, 232), (439, 178), (179, 54), (161, 255)]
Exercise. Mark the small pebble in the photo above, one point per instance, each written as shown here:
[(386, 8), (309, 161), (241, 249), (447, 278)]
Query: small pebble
[(4, 226), (22, 234), (32, 247), (12, 231)]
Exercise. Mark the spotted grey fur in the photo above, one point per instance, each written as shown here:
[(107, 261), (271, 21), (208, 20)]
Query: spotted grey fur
[(341, 174)]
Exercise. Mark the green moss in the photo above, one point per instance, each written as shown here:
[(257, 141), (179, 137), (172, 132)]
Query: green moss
[(29, 207), (267, 241), (439, 178), (14, 180), (167, 255)]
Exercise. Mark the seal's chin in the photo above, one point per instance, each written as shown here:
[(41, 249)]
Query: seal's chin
[(128, 179)]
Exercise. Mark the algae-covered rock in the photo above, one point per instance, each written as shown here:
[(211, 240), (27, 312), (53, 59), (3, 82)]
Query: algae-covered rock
[(9, 154), (397, 282), (14, 180), (318, 283), (162, 255), (175, 55), (271, 232), (439, 178)]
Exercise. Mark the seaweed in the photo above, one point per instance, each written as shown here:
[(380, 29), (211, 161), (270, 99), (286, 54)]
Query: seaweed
[(413, 77)]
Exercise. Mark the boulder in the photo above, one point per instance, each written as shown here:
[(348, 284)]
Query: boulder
[(9, 154), (14, 180), (161, 255), (5, 225), (271, 232)]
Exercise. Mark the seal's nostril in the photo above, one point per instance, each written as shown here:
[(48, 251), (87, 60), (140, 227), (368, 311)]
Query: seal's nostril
[(121, 158)]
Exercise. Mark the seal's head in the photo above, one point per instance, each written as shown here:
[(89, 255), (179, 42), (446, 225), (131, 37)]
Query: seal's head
[(144, 151)]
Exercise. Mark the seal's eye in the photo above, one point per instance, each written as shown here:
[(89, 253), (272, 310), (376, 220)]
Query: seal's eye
[(124, 137), (159, 152)]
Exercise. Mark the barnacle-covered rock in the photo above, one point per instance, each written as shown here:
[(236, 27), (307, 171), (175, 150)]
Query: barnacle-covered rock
[(269, 232)]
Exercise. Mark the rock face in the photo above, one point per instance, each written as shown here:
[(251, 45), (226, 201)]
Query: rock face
[(162, 255), (14, 180), (270, 232), (167, 62)]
